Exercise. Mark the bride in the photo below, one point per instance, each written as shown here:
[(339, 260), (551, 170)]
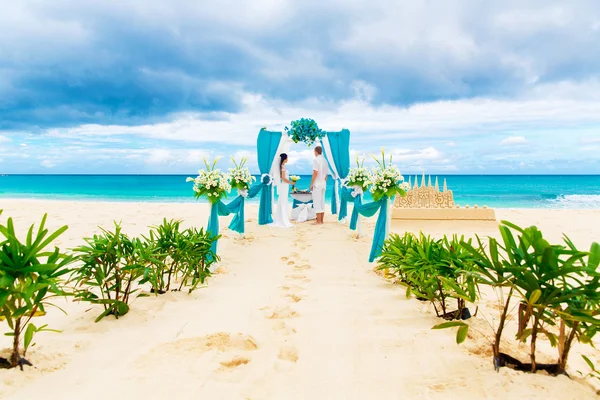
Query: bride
[(282, 219)]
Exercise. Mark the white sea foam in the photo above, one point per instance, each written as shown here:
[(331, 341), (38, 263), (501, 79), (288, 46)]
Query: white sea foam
[(576, 201)]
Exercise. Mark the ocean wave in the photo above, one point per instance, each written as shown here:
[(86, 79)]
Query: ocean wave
[(575, 201)]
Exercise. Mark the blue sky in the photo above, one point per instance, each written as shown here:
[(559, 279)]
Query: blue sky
[(149, 86)]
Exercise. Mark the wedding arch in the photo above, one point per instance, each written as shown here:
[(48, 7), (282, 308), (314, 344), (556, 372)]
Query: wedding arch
[(336, 150)]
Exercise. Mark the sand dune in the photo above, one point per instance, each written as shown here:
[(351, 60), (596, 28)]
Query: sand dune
[(291, 314)]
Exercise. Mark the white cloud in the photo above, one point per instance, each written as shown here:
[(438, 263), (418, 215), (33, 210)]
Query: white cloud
[(47, 163), (159, 156), (513, 140), (404, 155), (23, 144), (4, 139), (556, 107)]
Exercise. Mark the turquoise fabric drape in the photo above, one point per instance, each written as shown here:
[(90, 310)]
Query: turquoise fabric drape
[(296, 203), (221, 209), (368, 210), (235, 207), (213, 224), (266, 146), (347, 197), (339, 142)]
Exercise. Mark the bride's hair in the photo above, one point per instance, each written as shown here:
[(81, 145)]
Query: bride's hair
[(282, 158)]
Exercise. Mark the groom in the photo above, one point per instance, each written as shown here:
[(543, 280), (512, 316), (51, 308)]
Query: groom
[(318, 183)]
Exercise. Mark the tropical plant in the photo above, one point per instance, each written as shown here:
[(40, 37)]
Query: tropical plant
[(111, 265), (211, 183), (186, 254), (29, 278), (552, 284), (165, 241), (304, 130), (433, 270), (198, 257)]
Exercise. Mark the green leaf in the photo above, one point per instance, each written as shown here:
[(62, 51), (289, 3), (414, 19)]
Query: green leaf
[(449, 324), (534, 297), (29, 332), (461, 334), (589, 362)]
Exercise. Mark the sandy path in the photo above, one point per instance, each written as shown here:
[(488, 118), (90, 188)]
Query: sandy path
[(295, 314)]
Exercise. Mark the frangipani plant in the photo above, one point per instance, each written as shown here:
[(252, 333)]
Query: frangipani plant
[(386, 179), (239, 176), (211, 183)]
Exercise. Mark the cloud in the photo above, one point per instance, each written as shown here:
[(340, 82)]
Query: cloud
[(47, 164), (127, 63), (155, 86), (159, 156), (513, 140)]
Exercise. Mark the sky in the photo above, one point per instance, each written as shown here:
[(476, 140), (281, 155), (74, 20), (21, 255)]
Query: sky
[(446, 87)]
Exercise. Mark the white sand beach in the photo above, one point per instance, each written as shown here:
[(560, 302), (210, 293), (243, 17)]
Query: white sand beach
[(290, 314)]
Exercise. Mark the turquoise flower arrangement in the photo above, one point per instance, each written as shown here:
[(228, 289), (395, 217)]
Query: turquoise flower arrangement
[(305, 130)]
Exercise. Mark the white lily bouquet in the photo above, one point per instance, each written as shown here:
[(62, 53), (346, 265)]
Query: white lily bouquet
[(239, 176), (211, 183), (359, 176), (386, 180)]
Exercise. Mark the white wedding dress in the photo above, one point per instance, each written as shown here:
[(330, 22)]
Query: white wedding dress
[(282, 219)]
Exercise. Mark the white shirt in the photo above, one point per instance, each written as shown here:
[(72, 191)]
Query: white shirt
[(320, 165)]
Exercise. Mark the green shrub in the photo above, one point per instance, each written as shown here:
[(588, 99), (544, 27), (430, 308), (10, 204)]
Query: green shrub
[(183, 255), (433, 270), (114, 265), (556, 288), (111, 265), (29, 277)]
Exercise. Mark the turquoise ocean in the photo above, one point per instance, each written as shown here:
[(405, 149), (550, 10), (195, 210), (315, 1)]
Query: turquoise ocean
[(499, 191)]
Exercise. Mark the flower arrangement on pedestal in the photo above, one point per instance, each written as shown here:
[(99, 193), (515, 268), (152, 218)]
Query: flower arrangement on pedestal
[(239, 176), (358, 177), (304, 130), (386, 180), (211, 183)]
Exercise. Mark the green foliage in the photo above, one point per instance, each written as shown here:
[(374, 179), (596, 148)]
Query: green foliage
[(29, 277), (433, 270), (593, 373), (185, 254), (304, 130), (111, 263), (554, 285)]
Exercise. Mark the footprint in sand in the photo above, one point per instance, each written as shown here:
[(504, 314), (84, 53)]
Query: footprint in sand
[(293, 287), (183, 350), (303, 267), (294, 297), (298, 277), (291, 263), (288, 353), (235, 362), (283, 313), (284, 328), (284, 258)]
